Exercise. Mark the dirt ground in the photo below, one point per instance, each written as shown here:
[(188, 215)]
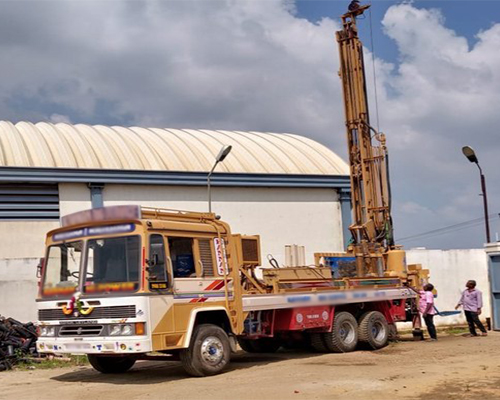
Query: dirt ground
[(454, 367)]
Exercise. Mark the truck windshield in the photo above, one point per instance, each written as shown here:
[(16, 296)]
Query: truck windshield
[(62, 269), (112, 265)]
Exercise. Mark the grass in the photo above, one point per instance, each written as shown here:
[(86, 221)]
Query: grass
[(449, 330), (52, 363), (454, 330)]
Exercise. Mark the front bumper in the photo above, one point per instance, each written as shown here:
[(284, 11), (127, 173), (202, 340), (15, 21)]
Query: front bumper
[(94, 345)]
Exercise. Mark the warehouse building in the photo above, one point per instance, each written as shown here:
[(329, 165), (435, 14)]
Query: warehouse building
[(287, 188)]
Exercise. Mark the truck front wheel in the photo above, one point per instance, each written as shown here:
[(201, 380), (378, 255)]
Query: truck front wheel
[(110, 364), (208, 353)]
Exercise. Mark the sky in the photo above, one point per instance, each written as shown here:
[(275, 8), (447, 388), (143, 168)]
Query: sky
[(271, 65)]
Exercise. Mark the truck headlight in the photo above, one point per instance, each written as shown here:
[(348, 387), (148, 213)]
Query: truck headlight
[(115, 330), (127, 330), (47, 331), (121, 330)]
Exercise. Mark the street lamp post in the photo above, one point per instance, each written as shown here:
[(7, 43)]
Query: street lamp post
[(220, 157), (471, 156)]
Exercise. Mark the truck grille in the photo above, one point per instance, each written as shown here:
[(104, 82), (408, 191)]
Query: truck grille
[(98, 313), (80, 330)]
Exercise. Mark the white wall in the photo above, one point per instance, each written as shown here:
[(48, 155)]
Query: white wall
[(73, 197), (449, 271), (308, 217), (22, 246)]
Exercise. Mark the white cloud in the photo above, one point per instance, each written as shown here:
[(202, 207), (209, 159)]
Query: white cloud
[(254, 65), (57, 118)]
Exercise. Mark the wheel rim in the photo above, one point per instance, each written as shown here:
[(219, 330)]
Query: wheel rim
[(378, 331), (347, 333), (212, 350)]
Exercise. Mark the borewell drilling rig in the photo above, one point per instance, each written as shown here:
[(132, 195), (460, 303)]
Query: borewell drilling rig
[(127, 283), (372, 245)]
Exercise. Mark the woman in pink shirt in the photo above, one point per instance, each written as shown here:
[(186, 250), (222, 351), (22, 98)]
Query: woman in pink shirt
[(426, 306)]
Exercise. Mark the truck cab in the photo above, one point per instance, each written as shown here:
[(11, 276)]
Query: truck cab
[(120, 282)]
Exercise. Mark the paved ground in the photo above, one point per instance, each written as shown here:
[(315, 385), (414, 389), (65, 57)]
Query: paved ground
[(455, 367)]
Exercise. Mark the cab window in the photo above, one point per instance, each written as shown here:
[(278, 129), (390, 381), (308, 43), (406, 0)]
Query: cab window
[(157, 271), (181, 254), (62, 269)]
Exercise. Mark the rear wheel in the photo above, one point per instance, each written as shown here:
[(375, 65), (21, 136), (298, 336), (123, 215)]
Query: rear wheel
[(344, 335), (110, 364), (373, 330), (318, 343), (393, 333), (208, 353)]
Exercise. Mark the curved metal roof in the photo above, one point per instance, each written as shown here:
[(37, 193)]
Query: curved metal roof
[(101, 147)]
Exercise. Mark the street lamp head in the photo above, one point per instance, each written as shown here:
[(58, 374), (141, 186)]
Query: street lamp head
[(470, 154), (220, 157), (223, 153)]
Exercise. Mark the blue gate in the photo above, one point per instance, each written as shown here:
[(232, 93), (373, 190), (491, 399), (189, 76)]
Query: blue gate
[(494, 266)]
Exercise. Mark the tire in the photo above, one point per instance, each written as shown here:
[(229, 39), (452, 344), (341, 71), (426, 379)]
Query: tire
[(208, 353), (344, 335), (373, 330), (393, 333), (246, 345), (263, 345), (110, 364), (317, 343), (299, 341), (266, 345)]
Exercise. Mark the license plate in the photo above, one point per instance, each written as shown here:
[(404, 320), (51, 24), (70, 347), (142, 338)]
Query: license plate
[(77, 346)]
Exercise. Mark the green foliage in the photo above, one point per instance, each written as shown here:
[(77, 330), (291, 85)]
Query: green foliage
[(53, 362)]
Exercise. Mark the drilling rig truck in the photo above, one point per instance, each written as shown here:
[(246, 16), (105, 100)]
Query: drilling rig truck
[(128, 283)]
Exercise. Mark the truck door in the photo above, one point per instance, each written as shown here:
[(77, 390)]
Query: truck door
[(193, 261)]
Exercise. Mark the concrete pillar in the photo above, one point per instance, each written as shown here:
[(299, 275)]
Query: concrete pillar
[(96, 196), (346, 210)]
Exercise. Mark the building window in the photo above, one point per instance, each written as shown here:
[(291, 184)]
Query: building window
[(26, 201)]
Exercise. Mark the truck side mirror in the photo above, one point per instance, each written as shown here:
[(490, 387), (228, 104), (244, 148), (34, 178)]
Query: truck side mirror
[(154, 260), (39, 268)]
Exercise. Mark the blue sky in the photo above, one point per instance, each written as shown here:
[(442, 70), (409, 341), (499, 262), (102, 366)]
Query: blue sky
[(465, 17)]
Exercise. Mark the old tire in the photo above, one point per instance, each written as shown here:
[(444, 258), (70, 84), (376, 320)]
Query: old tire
[(263, 345), (344, 335), (318, 343), (208, 353), (373, 330), (110, 364)]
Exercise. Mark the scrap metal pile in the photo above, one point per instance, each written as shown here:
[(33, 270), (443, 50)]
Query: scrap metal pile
[(17, 342)]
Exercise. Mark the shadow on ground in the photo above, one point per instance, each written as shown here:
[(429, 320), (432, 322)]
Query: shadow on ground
[(152, 372)]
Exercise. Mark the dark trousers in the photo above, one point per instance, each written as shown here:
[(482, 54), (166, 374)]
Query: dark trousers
[(429, 322), (473, 318)]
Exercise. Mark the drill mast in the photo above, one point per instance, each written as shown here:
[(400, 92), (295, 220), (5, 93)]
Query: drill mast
[(372, 231)]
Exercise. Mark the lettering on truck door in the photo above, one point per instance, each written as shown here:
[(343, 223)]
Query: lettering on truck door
[(220, 255)]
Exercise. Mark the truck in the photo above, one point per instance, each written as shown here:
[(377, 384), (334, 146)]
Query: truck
[(127, 283)]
